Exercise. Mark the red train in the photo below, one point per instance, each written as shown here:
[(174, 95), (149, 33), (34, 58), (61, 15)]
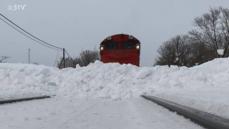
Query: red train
[(121, 48)]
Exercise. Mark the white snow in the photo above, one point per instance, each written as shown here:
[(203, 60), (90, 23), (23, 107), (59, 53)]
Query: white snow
[(111, 86), (91, 114), (220, 51)]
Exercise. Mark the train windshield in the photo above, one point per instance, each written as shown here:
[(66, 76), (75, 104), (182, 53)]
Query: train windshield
[(111, 45), (129, 45)]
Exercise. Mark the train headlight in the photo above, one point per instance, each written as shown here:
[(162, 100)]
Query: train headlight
[(138, 47), (101, 48)]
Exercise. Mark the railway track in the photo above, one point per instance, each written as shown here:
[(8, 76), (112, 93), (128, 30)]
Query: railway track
[(204, 119), (207, 120), (7, 101)]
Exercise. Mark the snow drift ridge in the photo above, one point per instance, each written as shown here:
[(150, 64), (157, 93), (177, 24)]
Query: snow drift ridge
[(110, 80)]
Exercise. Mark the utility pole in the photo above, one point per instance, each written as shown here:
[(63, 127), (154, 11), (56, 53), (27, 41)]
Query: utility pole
[(64, 56), (29, 51)]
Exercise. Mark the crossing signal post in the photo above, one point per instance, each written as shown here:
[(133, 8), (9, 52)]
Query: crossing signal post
[(64, 57), (29, 56)]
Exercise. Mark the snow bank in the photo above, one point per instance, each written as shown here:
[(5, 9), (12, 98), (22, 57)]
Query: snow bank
[(97, 80), (205, 86), (109, 80), (22, 79)]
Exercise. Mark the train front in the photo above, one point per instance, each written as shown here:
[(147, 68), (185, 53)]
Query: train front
[(120, 48)]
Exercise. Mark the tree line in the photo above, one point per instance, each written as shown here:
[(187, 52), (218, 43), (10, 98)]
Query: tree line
[(209, 39), (85, 58)]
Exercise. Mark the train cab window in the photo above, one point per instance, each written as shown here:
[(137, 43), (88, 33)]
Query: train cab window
[(110, 45), (129, 45)]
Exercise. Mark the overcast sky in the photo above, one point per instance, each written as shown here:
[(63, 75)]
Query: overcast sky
[(82, 24)]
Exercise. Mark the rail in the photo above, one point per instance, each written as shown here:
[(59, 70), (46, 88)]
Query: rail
[(22, 99), (207, 120)]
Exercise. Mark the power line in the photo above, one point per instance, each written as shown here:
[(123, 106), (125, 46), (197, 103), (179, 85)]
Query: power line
[(31, 36), (68, 54), (38, 40), (25, 34)]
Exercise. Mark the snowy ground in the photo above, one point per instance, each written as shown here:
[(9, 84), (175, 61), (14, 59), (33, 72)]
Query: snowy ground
[(90, 114), (106, 91)]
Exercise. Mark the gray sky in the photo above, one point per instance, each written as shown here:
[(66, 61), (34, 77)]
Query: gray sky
[(82, 24)]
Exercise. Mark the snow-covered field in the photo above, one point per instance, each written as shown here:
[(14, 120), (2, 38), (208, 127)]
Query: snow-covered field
[(114, 88)]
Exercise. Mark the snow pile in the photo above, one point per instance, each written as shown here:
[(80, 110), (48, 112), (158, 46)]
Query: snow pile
[(97, 80), (112, 80), (205, 87), (22, 80), (109, 80)]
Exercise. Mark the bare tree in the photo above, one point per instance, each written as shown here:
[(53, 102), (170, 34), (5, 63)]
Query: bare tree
[(77, 61), (212, 30), (211, 33), (180, 43), (174, 51), (198, 53), (166, 54), (69, 62), (86, 57), (3, 58), (225, 30)]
